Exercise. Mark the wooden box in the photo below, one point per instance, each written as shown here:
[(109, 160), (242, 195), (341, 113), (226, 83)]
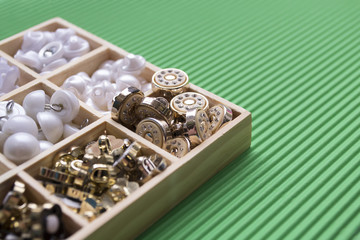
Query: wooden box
[(142, 208)]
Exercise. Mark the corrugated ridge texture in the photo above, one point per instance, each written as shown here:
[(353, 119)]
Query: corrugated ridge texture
[(293, 64)]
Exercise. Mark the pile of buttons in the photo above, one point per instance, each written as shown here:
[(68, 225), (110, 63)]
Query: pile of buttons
[(107, 81), (92, 179), (176, 120), (44, 51), (20, 219), (9, 76), (39, 123)]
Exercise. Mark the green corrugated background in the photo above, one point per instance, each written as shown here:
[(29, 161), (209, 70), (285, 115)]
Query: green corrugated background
[(293, 64)]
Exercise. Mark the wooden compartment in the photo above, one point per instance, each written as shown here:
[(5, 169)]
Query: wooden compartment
[(97, 129), (49, 88), (36, 195), (13, 43), (135, 213)]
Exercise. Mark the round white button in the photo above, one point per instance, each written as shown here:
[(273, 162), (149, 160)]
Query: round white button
[(51, 126), (20, 147), (20, 123), (70, 105), (34, 102), (7, 109), (44, 145), (70, 129), (51, 52)]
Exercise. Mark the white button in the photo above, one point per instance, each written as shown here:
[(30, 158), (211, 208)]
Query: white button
[(145, 87), (63, 34), (70, 129), (45, 145), (33, 41), (102, 93), (86, 77), (49, 36), (117, 68), (50, 125), (54, 65), (20, 123), (101, 75), (51, 52), (75, 47), (127, 80), (34, 102), (11, 110), (133, 64), (20, 147), (30, 59), (69, 102), (108, 65), (9, 76), (77, 85)]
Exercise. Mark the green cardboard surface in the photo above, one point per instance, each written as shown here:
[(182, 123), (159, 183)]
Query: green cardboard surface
[(294, 64)]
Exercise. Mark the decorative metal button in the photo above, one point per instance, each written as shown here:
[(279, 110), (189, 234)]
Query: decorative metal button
[(170, 81), (178, 146), (197, 126), (124, 105), (156, 108), (154, 130), (182, 103), (219, 115)]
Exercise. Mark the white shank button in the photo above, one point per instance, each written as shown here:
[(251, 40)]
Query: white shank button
[(20, 147), (20, 123), (34, 102), (51, 126), (44, 145), (51, 52), (69, 102)]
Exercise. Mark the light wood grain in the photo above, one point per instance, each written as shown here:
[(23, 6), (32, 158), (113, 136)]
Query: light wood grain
[(134, 214)]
